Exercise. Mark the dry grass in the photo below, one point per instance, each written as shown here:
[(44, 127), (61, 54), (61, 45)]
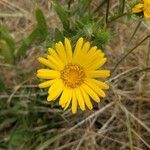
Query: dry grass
[(120, 122)]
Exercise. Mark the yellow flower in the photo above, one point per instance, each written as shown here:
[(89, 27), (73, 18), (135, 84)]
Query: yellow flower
[(74, 75), (143, 7)]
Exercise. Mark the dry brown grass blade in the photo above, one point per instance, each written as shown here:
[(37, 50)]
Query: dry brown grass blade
[(14, 7), (134, 117), (48, 142)]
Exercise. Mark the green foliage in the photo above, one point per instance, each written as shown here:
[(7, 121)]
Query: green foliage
[(82, 8), (27, 120), (85, 24), (5, 35), (39, 34), (6, 52), (58, 35), (41, 24), (8, 49), (102, 38), (62, 14), (7, 45), (2, 86), (18, 138)]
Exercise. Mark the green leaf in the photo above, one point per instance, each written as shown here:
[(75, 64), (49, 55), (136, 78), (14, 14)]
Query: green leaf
[(23, 48), (102, 38), (84, 4), (5, 35), (40, 33), (7, 45), (18, 139), (58, 35), (5, 52), (41, 24), (62, 14), (35, 36)]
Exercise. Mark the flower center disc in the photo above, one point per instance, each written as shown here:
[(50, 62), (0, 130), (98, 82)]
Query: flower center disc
[(73, 75)]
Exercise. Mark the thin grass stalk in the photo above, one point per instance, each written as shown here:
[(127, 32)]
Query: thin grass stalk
[(121, 6), (69, 4), (117, 17), (133, 34), (129, 130), (107, 11), (130, 51), (100, 5), (148, 53)]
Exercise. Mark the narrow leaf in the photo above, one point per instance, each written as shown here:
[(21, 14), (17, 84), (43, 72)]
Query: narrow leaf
[(41, 23), (5, 35), (58, 35), (6, 52), (62, 14)]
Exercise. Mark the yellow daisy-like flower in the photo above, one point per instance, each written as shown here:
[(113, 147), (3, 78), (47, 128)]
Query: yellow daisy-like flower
[(74, 75), (143, 7)]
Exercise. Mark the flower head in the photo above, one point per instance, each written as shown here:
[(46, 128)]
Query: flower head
[(73, 76), (142, 7)]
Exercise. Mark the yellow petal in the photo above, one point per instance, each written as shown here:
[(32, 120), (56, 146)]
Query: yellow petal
[(92, 50), (65, 97), (80, 56), (138, 8), (47, 63), (61, 52), (79, 59), (80, 98), (78, 47), (68, 48), (55, 90), (74, 103), (98, 54), (53, 53), (146, 2), (85, 47), (102, 85), (146, 15), (95, 88), (57, 63), (90, 58), (46, 84), (47, 74), (147, 9), (97, 64), (98, 74), (91, 93), (86, 99), (67, 104)]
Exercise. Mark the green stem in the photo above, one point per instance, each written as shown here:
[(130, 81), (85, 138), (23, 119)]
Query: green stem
[(107, 10)]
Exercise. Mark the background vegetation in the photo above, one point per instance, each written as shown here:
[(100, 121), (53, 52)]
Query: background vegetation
[(27, 121)]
